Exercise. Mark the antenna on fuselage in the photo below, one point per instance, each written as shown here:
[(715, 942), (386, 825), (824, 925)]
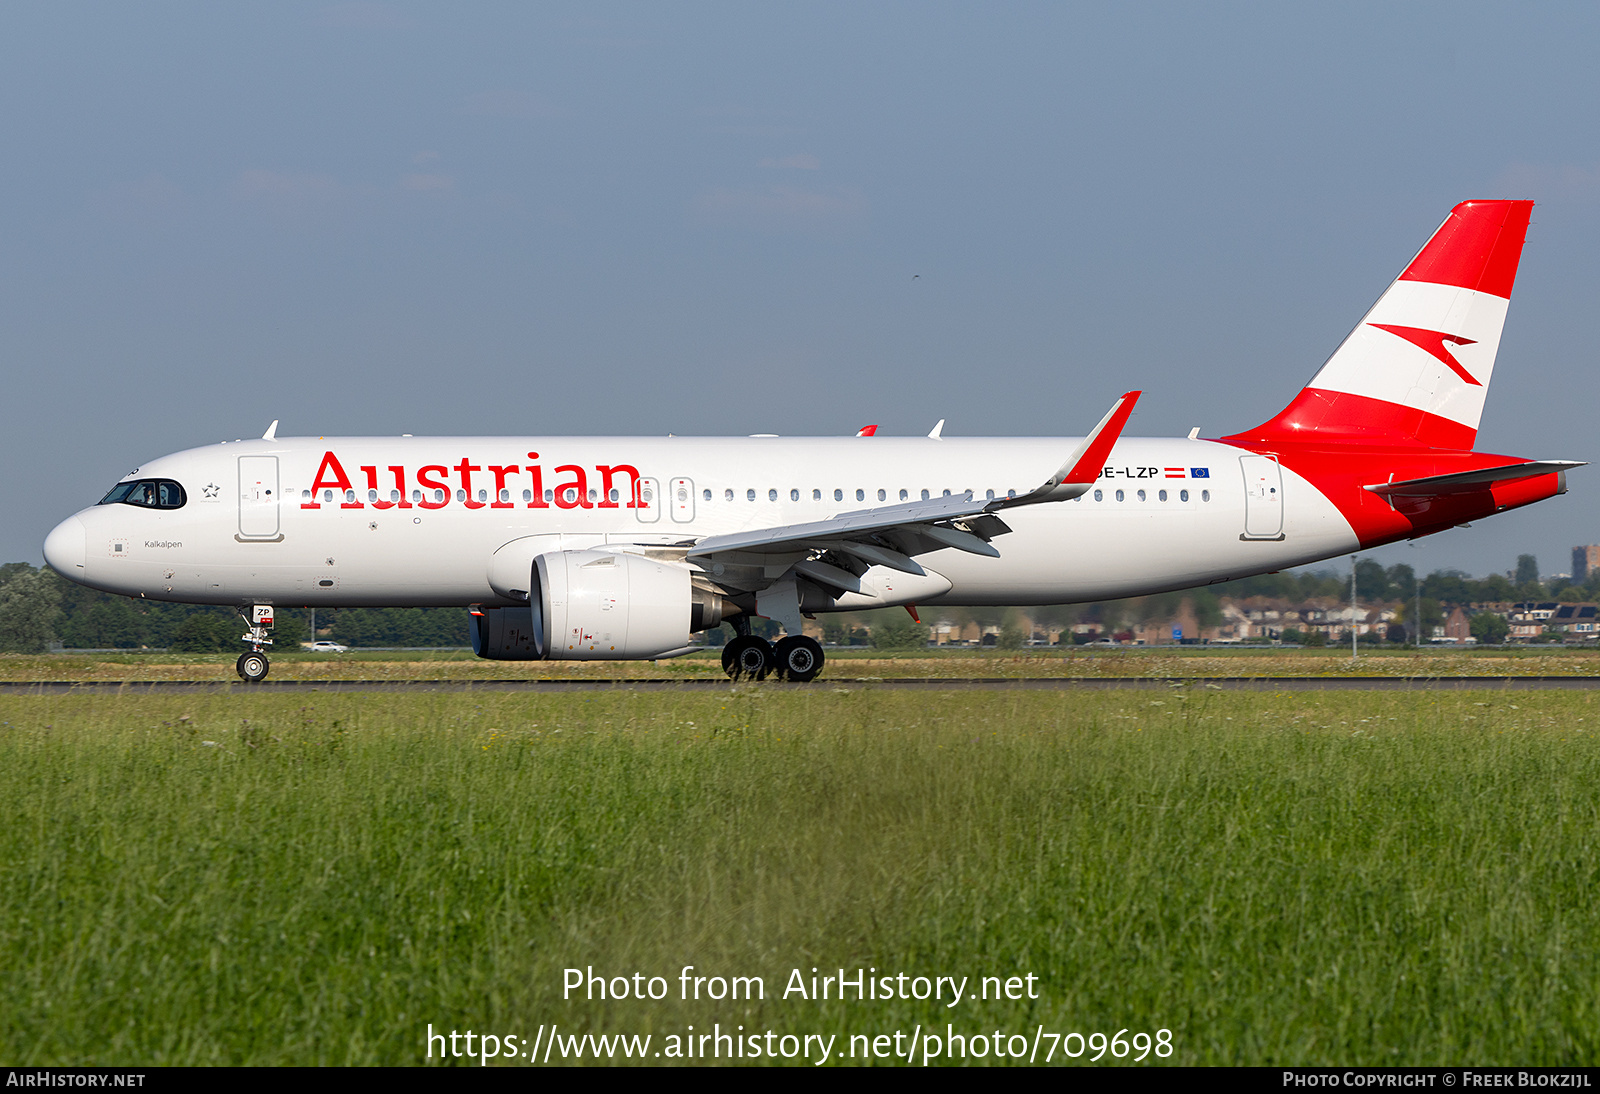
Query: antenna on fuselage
[(272, 431), (938, 429)]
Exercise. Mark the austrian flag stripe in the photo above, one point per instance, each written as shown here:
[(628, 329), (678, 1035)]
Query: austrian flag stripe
[(1174, 472)]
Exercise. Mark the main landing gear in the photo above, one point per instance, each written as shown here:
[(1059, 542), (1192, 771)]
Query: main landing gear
[(796, 658), (252, 665)]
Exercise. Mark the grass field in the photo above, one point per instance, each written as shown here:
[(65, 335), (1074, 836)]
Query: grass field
[(1381, 878), (858, 663)]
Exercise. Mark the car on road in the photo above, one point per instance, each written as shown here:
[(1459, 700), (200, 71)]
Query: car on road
[(328, 647)]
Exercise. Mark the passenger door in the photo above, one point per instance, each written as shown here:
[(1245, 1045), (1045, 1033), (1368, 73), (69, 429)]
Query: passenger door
[(258, 497), (1263, 497)]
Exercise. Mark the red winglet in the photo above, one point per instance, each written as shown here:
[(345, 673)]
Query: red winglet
[(1099, 444)]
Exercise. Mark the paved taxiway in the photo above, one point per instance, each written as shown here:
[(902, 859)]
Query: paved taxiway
[(1222, 683)]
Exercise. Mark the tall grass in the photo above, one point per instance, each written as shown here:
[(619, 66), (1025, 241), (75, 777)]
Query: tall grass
[(1340, 878)]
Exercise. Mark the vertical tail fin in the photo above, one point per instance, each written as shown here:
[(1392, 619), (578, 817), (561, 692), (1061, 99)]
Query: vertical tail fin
[(1416, 369)]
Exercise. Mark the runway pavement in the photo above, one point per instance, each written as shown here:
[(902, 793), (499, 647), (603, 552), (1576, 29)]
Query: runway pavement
[(1223, 683)]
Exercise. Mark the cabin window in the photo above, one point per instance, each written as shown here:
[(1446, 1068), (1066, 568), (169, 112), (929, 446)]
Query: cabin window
[(794, 495), (988, 495), (372, 495), (727, 495), (1183, 495), (550, 496), (838, 495), (1099, 495), (882, 496), (946, 493), (706, 494), (148, 494), (483, 495), (1119, 495), (461, 495), (861, 495), (772, 495), (416, 495), (1205, 495), (749, 495), (1141, 495), (924, 495), (349, 497), (527, 495), (816, 495), (1011, 493), (904, 494)]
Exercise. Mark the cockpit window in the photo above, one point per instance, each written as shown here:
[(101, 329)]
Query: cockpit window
[(148, 493)]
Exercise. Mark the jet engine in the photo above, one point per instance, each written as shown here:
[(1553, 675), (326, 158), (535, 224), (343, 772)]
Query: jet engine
[(599, 606)]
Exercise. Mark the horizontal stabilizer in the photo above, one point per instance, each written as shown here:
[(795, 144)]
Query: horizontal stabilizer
[(1466, 481)]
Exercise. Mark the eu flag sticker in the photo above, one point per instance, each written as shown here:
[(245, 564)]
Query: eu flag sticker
[(1199, 472)]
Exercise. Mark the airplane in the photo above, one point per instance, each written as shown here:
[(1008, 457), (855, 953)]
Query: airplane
[(619, 548)]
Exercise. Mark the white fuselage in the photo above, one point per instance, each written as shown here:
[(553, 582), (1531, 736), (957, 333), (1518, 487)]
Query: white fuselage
[(265, 521)]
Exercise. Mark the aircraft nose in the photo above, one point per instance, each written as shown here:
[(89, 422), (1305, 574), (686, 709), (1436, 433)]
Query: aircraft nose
[(66, 548)]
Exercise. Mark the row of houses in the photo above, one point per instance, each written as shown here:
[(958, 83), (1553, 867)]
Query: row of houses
[(1260, 619)]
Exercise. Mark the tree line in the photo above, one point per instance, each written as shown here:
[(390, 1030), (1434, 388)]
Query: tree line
[(39, 609)]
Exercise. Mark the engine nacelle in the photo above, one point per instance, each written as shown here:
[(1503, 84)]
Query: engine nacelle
[(598, 606)]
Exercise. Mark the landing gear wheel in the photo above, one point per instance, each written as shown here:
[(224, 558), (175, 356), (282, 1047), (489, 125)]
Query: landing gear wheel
[(252, 667), (799, 659), (748, 657)]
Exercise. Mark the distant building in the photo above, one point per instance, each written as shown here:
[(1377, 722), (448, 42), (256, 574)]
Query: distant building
[(1585, 560), (1576, 620), (1531, 618)]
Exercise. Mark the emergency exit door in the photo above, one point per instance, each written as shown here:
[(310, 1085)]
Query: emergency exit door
[(683, 500), (258, 497), (649, 507), (1263, 497)]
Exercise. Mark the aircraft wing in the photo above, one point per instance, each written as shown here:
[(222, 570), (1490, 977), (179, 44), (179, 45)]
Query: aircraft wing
[(890, 535), (859, 523), (1466, 481)]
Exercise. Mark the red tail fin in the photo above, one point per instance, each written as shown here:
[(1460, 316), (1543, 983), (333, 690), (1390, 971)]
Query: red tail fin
[(1416, 369)]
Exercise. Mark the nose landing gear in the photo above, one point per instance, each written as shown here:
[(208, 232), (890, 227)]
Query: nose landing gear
[(252, 665)]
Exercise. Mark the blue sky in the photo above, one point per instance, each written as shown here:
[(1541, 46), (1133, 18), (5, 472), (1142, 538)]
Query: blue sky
[(731, 218)]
